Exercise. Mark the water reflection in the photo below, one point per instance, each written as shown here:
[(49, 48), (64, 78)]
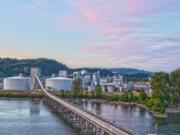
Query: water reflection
[(26, 117), (34, 107), (134, 117)]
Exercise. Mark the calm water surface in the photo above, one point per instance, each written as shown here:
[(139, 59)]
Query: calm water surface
[(135, 118), (27, 117)]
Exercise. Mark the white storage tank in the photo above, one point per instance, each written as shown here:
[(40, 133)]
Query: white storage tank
[(59, 83), (84, 72), (17, 83), (87, 79)]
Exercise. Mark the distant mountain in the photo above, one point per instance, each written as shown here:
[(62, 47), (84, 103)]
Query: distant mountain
[(129, 71), (11, 67), (132, 74)]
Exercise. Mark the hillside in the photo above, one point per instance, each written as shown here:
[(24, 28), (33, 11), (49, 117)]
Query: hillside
[(128, 71), (11, 67), (132, 74)]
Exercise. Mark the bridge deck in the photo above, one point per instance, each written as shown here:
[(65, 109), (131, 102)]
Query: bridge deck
[(105, 125)]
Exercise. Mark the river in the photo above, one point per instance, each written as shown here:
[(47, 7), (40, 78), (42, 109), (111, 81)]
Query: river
[(29, 117), (133, 117)]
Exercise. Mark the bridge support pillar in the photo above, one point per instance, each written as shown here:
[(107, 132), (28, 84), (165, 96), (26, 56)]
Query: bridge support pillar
[(85, 126)]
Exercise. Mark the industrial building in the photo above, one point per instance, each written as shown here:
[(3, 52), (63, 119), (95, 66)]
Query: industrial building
[(58, 84), (112, 84), (89, 81), (96, 78), (17, 83), (137, 86), (76, 75), (63, 73)]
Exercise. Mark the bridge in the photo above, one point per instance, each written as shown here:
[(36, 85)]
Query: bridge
[(87, 122)]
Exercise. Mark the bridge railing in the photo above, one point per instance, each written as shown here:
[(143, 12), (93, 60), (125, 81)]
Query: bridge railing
[(75, 107), (125, 129)]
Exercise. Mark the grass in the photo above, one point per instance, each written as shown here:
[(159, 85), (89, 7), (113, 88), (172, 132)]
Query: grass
[(20, 94)]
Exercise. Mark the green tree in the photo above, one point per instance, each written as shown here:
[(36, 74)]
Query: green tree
[(160, 86), (131, 96), (143, 96), (161, 92), (98, 91), (93, 94), (76, 87), (175, 86), (125, 97)]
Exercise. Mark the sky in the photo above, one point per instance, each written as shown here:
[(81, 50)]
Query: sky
[(143, 34)]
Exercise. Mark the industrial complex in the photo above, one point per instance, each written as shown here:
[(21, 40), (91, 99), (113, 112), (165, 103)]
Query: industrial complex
[(63, 81)]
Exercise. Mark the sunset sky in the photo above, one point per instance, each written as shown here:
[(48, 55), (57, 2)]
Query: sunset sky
[(142, 34)]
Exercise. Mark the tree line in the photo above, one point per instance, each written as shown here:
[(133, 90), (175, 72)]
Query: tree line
[(165, 90)]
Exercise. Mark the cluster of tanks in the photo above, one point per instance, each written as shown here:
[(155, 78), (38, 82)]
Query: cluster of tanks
[(108, 84), (29, 83), (61, 82), (88, 81)]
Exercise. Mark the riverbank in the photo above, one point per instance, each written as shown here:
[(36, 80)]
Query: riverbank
[(107, 99), (155, 114), (140, 99), (20, 94)]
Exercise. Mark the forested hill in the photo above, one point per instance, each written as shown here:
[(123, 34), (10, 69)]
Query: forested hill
[(11, 67), (132, 74), (129, 71)]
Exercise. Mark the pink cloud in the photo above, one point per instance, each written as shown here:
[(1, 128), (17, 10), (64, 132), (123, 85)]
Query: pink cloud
[(121, 35), (133, 6), (149, 7), (92, 16)]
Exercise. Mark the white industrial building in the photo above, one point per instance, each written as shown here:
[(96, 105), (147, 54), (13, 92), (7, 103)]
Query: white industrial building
[(112, 84), (86, 81), (137, 86), (17, 83), (96, 78), (58, 84), (63, 73), (76, 75)]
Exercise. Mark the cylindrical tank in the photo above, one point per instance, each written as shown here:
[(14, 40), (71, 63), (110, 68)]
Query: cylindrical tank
[(59, 83), (17, 83), (87, 79), (84, 72)]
